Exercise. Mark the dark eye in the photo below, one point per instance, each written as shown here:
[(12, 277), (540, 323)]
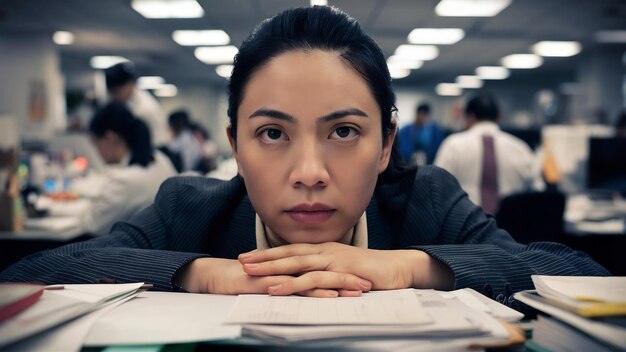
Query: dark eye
[(343, 132), (274, 134)]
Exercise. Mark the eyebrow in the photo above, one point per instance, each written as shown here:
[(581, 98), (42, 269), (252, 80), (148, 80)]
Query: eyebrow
[(326, 118)]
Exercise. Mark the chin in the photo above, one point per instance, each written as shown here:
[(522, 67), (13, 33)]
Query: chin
[(313, 236)]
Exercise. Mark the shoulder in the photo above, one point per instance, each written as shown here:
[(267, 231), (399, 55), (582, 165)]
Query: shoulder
[(515, 143), (200, 186)]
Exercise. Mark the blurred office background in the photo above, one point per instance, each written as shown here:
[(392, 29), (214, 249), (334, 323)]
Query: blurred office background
[(557, 68)]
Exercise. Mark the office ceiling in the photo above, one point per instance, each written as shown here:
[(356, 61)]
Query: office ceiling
[(112, 27)]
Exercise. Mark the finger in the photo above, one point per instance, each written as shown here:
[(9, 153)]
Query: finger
[(350, 293), (319, 293), (290, 265), (290, 250), (261, 284), (321, 279)]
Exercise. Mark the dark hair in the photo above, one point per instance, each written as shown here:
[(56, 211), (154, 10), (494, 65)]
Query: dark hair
[(179, 121), (120, 74), (484, 107), (423, 108), (197, 128), (115, 117), (319, 27)]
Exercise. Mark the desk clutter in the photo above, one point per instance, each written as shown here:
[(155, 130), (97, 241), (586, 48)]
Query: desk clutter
[(578, 313), (80, 316)]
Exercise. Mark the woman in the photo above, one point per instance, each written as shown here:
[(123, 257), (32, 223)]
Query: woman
[(319, 195), (132, 179)]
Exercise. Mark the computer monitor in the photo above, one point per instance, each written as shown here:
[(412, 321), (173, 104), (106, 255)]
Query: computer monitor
[(606, 168)]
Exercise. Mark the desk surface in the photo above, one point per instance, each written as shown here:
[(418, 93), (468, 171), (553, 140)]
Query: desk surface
[(584, 216), (41, 234)]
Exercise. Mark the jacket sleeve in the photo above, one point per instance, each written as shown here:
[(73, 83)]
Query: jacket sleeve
[(486, 258), (134, 251)]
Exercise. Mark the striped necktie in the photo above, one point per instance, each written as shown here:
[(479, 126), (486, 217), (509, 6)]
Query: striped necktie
[(489, 180)]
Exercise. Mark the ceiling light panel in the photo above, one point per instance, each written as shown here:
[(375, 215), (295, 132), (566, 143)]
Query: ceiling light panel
[(404, 62), (63, 38), (556, 49), (104, 62), (201, 37), (471, 8), (469, 82), (492, 72), (444, 36), (417, 52), (448, 89), (168, 8), (522, 61), (215, 55)]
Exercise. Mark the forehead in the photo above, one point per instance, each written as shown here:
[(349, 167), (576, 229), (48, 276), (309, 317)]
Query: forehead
[(312, 82)]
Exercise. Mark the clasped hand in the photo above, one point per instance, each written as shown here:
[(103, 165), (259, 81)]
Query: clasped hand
[(331, 269)]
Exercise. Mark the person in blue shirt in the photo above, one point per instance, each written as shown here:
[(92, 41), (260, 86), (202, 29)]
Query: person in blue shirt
[(419, 141)]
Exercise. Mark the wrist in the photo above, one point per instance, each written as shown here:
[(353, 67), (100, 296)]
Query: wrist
[(429, 272)]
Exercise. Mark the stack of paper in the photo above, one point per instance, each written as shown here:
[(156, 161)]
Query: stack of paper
[(581, 308), (589, 296), (61, 304), (415, 314)]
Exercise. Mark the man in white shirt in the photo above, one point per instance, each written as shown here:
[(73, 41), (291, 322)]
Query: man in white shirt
[(121, 85), (487, 162)]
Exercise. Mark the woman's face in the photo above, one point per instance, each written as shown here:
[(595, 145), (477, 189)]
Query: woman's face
[(309, 145)]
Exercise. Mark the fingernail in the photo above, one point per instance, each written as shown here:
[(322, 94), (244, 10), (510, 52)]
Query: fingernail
[(250, 266), (245, 256), (333, 293), (366, 284), (273, 289)]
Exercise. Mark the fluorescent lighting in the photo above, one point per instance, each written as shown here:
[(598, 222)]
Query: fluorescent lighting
[(166, 91), (611, 36), (404, 62), (104, 62), (224, 71), (417, 52), (204, 37), (492, 72), (397, 73), (319, 2), (556, 49), (63, 38), (471, 8), (435, 35), (471, 82), (448, 89), (150, 82), (215, 55), (522, 61), (168, 8)]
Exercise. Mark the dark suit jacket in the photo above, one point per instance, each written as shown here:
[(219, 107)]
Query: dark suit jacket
[(195, 217)]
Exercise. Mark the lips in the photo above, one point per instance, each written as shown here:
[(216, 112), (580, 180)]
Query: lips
[(316, 213)]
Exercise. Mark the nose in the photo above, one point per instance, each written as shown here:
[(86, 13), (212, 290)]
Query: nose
[(309, 168)]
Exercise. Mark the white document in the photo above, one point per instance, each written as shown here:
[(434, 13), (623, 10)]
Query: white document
[(165, 317), (606, 289), (58, 306), (451, 319), (475, 300), (398, 307), (68, 337)]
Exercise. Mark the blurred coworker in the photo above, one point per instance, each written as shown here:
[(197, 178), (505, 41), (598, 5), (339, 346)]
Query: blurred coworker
[(419, 141), (487, 162), (208, 148), (133, 177), (120, 81), (184, 142)]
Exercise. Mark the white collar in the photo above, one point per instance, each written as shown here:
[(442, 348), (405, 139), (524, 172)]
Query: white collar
[(482, 127)]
